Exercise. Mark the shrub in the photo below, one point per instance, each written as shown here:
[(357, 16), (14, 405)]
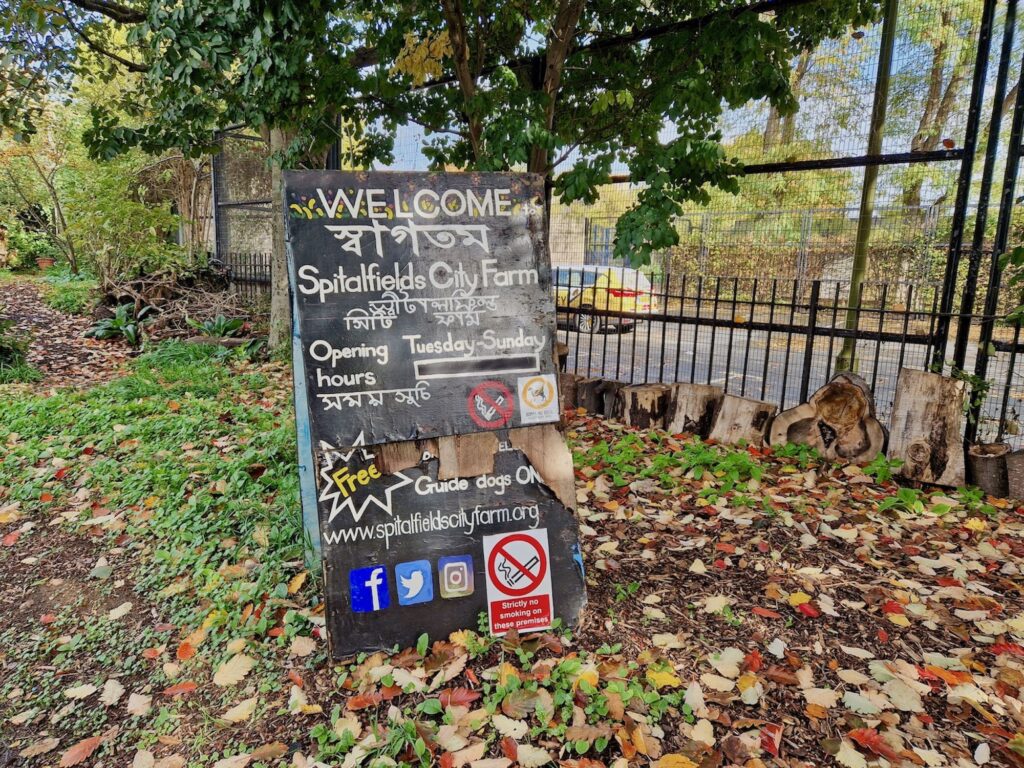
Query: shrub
[(31, 245)]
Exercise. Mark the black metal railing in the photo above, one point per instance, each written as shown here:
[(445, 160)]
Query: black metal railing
[(771, 339)]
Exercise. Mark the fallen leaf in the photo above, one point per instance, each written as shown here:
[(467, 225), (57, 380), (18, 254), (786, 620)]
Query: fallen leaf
[(185, 651), (232, 671), (80, 752), (822, 697), (112, 692), (675, 760), (871, 739), (237, 761), (139, 704), (120, 611), (506, 726), (468, 755), (241, 712), (704, 732), (663, 679), (860, 704), (849, 757), (532, 757), (180, 688), (457, 697), (302, 645), (80, 691), (40, 747)]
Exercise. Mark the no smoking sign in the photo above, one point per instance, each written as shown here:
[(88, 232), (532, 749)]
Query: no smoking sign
[(490, 405), (518, 578)]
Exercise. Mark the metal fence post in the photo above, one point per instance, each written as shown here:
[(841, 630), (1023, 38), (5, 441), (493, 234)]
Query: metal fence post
[(812, 322), (963, 189), (704, 251), (981, 216)]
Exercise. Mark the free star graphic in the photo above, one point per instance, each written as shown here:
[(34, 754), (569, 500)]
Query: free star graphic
[(340, 498)]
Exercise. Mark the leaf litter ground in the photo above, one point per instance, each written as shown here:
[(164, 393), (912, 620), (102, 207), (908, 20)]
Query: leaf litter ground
[(745, 608), (59, 350)]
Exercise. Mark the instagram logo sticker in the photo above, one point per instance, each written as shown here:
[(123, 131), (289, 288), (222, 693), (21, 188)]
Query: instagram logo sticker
[(456, 576)]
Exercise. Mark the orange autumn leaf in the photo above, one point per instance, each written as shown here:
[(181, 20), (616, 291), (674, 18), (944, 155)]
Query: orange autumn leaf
[(509, 748), (80, 752), (179, 688), (950, 677), (296, 678), (871, 739), (185, 651), (457, 697), (364, 700)]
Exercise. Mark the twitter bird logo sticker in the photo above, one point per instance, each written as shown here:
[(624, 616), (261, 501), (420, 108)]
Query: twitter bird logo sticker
[(415, 583)]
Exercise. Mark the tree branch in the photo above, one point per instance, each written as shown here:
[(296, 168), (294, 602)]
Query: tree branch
[(122, 14), (456, 20), (128, 64), (563, 31)]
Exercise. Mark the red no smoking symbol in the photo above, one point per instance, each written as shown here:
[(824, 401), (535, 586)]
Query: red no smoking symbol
[(490, 404), (517, 564)]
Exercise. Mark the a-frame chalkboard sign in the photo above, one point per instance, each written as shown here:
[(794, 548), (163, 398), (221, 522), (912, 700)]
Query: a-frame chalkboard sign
[(426, 329)]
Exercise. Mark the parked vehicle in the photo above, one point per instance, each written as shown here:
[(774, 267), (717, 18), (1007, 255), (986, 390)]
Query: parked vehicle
[(612, 289)]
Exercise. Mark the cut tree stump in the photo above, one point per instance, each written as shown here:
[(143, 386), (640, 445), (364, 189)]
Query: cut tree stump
[(642, 405), (567, 390), (692, 408), (1015, 475), (838, 422), (589, 395), (925, 428), (986, 468), (741, 418), (610, 399)]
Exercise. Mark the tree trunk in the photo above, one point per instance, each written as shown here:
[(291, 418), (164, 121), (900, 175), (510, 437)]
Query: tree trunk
[(939, 103), (589, 395), (559, 43), (280, 302), (772, 130), (780, 130), (839, 422), (742, 419), (643, 405), (846, 359), (926, 416), (692, 408)]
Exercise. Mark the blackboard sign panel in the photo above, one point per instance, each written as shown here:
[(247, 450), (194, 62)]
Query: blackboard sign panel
[(424, 303), (406, 553)]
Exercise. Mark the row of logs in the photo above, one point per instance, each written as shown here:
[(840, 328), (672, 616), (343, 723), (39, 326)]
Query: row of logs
[(696, 409), (838, 420)]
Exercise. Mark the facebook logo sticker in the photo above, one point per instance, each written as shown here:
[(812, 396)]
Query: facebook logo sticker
[(368, 588)]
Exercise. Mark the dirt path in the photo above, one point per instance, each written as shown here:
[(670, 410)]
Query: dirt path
[(58, 349)]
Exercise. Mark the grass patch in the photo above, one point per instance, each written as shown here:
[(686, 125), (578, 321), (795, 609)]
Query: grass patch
[(71, 294), (18, 373), (74, 297), (202, 458), (13, 346)]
